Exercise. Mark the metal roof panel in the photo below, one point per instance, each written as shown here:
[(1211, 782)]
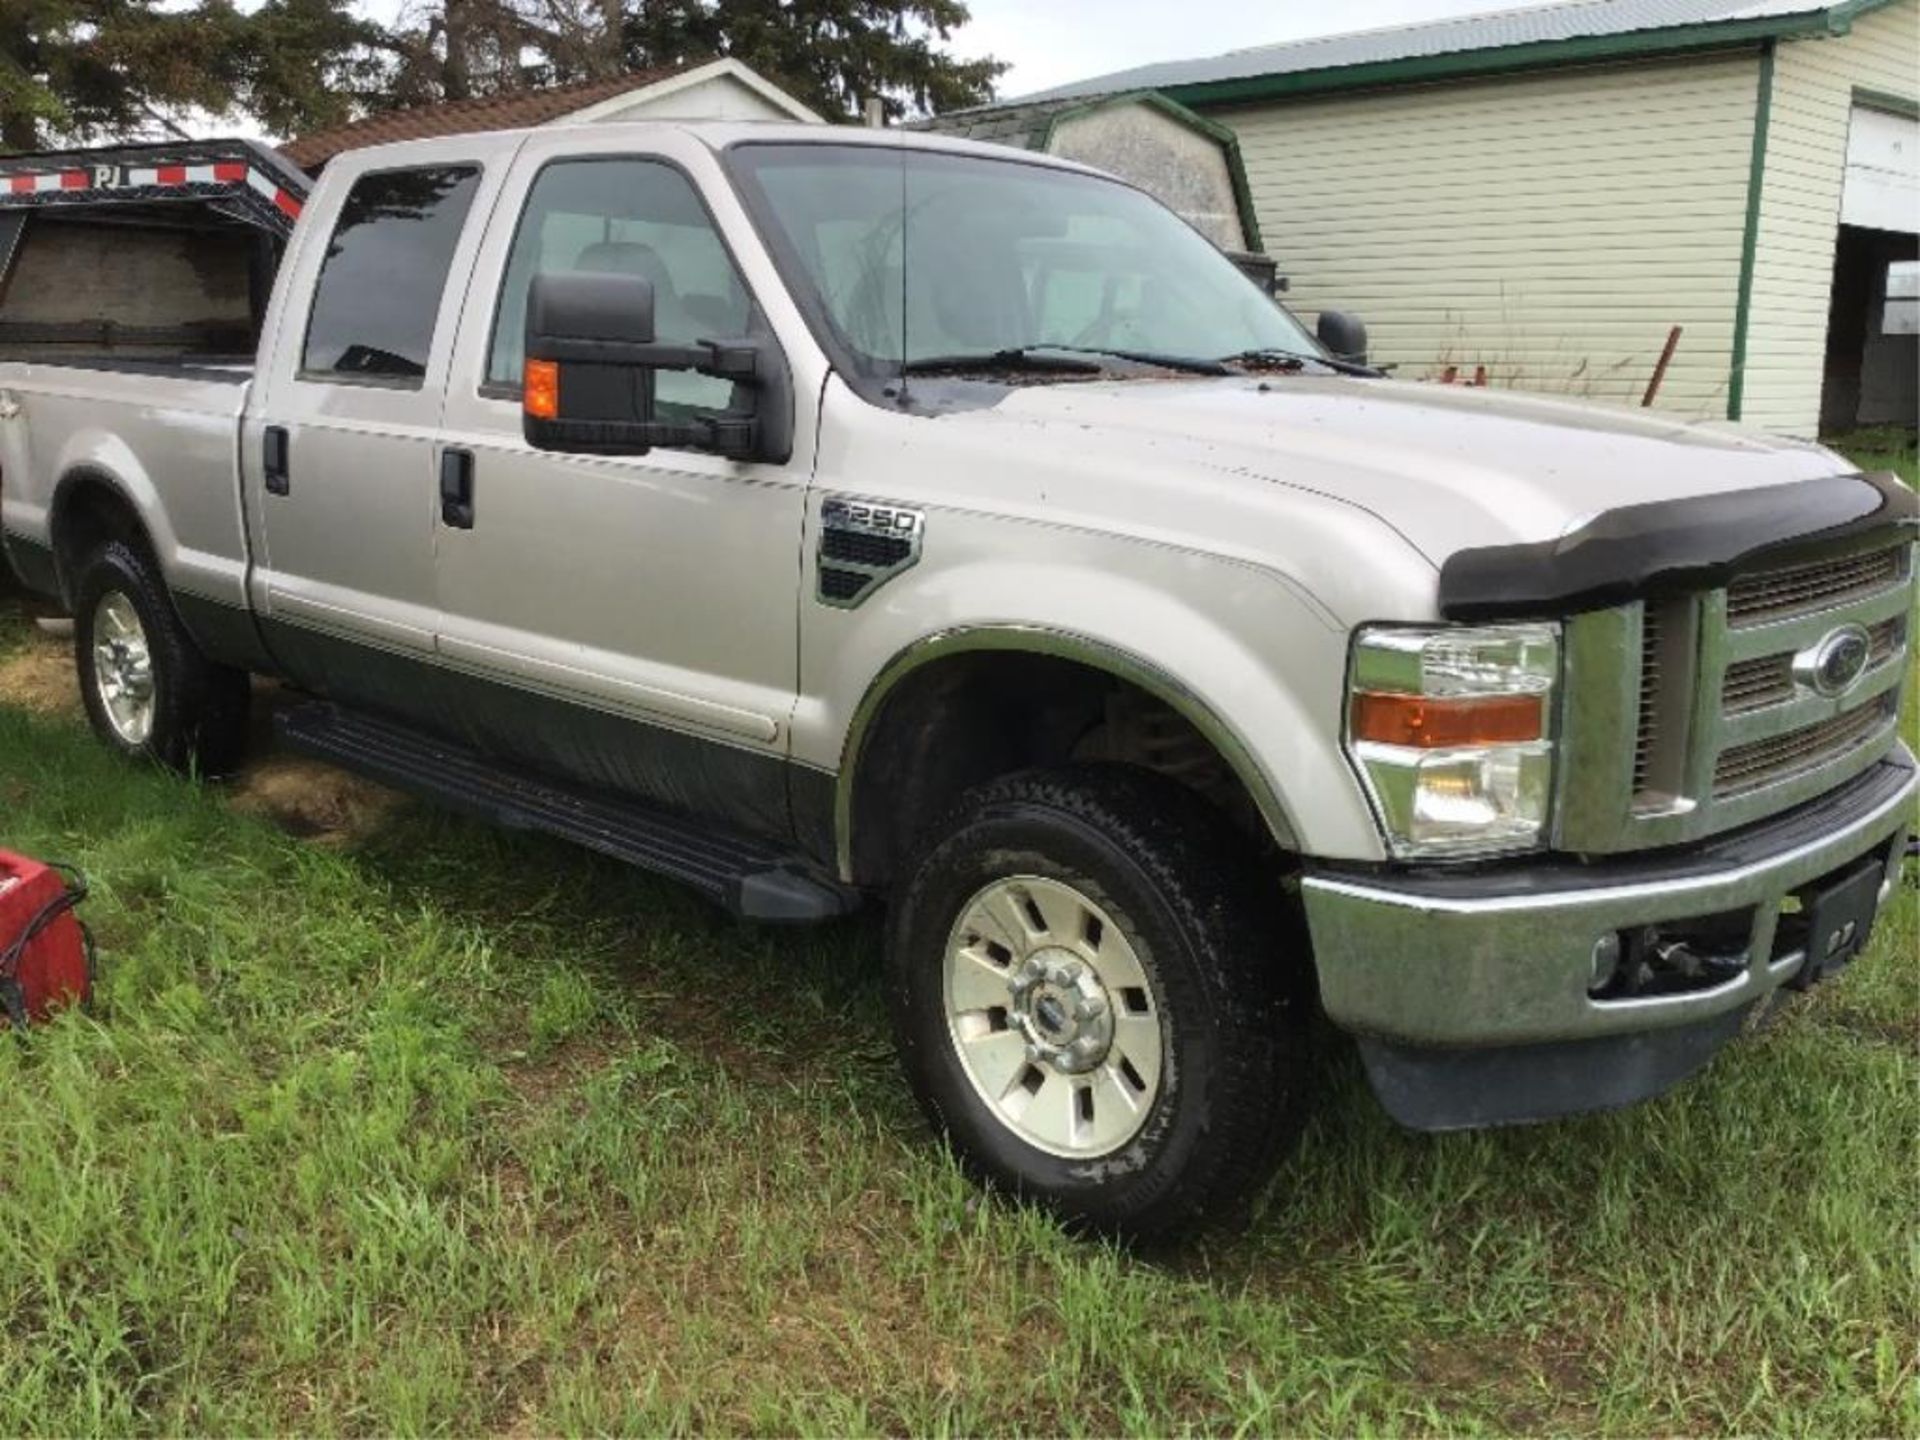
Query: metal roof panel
[(1494, 30)]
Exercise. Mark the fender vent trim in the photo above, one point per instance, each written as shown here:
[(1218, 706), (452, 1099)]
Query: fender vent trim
[(863, 544)]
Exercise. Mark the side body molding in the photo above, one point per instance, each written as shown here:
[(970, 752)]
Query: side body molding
[(1065, 645)]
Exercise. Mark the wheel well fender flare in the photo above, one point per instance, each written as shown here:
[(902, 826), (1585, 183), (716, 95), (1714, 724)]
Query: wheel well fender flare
[(88, 476), (1095, 654)]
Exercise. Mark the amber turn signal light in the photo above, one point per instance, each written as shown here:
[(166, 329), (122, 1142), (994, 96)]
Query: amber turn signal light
[(1422, 722), (540, 392)]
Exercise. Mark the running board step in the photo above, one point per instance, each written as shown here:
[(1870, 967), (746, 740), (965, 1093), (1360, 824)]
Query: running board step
[(754, 879)]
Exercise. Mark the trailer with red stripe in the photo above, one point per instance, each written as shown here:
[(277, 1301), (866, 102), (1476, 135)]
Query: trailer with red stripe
[(243, 180), (142, 252)]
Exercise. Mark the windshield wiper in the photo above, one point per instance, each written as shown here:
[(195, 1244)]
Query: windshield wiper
[(1018, 358), (1059, 359), (1191, 364), (1294, 360)]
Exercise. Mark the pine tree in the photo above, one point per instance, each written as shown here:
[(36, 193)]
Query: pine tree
[(460, 49), (834, 55), (97, 69), (302, 65), (94, 71)]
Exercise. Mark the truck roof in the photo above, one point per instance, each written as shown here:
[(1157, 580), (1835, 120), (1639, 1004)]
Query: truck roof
[(716, 135)]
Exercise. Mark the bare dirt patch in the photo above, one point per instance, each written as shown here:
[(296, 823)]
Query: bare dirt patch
[(39, 676), (311, 800), (304, 797), (1537, 1386), (539, 1079)]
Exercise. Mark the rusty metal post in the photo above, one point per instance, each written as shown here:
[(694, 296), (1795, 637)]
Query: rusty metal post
[(1660, 370)]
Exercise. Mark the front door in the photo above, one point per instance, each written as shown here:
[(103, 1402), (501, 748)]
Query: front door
[(632, 619)]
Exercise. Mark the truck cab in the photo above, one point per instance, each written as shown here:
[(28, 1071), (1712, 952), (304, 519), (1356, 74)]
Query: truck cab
[(828, 518)]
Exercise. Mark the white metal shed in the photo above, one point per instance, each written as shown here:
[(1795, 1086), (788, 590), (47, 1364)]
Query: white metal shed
[(1547, 192)]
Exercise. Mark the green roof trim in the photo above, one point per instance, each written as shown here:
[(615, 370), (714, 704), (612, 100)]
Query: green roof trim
[(1886, 100), (1540, 55), (1750, 240), (1223, 136)]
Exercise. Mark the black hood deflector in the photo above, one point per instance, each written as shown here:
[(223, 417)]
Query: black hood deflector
[(1669, 546)]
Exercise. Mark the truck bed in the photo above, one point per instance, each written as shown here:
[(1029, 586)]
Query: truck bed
[(165, 426), (210, 369), (163, 254)]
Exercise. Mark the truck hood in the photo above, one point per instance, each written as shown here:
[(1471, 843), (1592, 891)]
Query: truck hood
[(1448, 467)]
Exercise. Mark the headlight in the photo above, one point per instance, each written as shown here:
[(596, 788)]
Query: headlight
[(1451, 732)]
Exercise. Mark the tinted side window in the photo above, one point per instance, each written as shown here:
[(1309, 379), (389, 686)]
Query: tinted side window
[(386, 267), (629, 217)]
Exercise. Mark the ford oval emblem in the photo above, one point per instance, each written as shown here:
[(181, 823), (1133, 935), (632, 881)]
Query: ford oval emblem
[(1836, 664)]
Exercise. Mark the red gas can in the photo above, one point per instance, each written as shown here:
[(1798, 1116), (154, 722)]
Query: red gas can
[(45, 959)]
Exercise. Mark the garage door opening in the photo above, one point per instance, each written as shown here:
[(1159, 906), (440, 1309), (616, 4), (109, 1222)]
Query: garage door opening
[(1873, 351), (1873, 333)]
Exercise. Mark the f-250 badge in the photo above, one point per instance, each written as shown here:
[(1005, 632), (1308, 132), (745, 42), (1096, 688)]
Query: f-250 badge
[(863, 544)]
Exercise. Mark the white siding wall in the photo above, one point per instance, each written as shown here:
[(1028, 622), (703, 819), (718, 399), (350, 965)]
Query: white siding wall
[(1813, 86), (1550, 226), (721, 98)]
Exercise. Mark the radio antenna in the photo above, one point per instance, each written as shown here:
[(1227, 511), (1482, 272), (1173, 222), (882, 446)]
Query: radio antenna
[(902, 149)]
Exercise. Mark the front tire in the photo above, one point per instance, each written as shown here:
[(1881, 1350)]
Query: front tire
[(149, 692), (1088, 980)]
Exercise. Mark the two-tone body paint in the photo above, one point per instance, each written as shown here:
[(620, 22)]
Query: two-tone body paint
[(1215, 539)]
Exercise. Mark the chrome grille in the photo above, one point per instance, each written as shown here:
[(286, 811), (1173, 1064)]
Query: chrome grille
[(1782, 757), (1716, 728), (1646, 734), (1751, 684), (1669, 632), (1821, 584), (1768, 679), (1887, 639)]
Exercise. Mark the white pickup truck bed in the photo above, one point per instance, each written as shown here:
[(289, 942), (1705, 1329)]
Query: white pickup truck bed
[(133, 284), (158, 427)]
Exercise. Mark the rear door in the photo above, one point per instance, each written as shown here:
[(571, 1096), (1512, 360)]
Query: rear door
[(340, 451)]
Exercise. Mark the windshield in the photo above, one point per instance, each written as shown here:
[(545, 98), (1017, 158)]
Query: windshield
[(915, 255)]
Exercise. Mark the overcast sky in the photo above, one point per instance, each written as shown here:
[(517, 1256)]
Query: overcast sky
[(1052, 42)]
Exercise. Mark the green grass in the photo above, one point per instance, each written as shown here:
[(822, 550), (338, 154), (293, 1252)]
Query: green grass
[(1886, 447), (451, 1130)]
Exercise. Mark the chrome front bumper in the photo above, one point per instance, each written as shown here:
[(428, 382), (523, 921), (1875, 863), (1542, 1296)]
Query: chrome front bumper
[(1504, 958)]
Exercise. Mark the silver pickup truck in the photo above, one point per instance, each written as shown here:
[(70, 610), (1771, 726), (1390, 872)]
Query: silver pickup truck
[(816, 515)]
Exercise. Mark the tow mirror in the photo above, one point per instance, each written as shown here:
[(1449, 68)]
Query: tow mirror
[(588, 386), (1343, 335)]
